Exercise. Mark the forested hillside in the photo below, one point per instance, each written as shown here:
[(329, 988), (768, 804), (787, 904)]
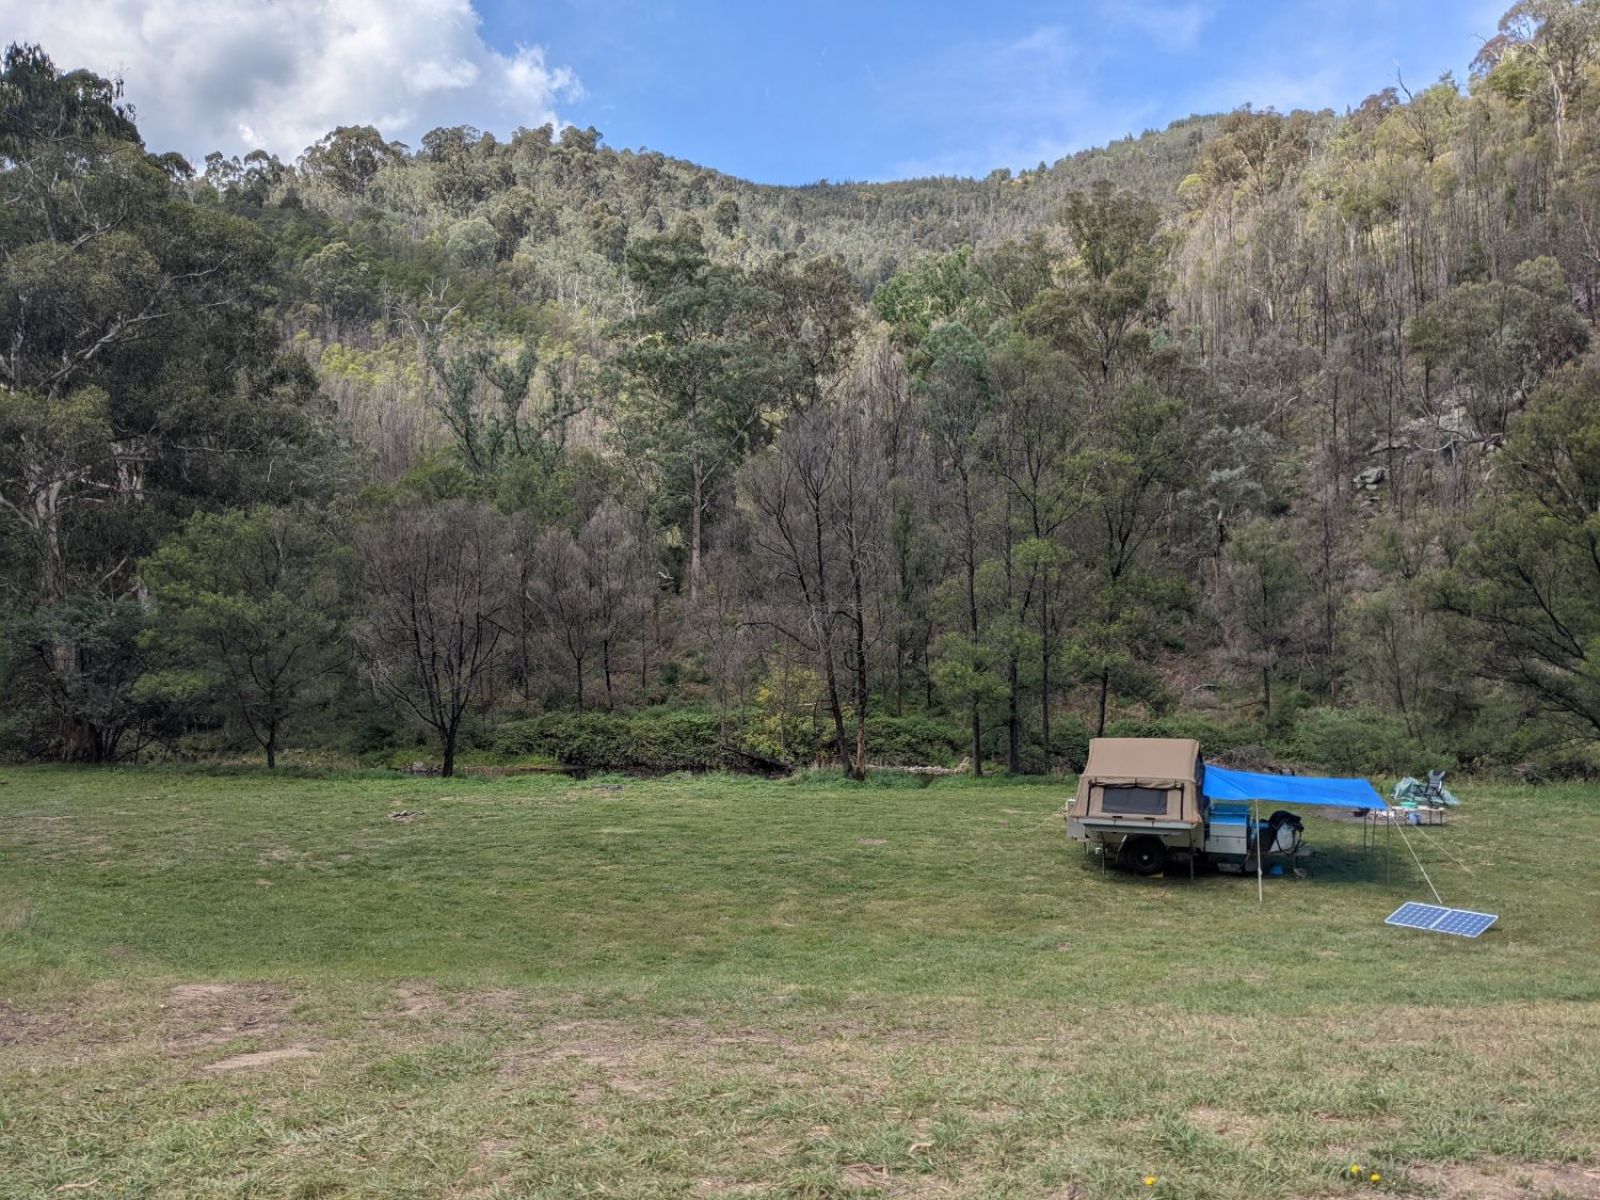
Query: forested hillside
[(1280, 429)]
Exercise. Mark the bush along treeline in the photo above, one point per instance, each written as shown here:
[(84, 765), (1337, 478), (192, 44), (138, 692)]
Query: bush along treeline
[(1282, 431)]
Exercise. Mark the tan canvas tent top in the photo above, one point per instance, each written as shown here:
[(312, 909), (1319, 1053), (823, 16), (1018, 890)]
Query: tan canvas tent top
[(1153, 778)]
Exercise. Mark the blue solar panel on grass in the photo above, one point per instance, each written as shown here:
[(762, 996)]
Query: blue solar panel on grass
[(1414, 916), (1435, 918), (1465, 924)]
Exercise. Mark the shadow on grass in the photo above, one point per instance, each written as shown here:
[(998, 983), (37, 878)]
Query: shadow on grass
[(1328, 864)]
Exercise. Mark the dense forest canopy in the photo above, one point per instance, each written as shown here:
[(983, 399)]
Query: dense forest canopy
[(1282, 430)]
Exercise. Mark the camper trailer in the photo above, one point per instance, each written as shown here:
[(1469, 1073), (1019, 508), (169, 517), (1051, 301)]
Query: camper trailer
[(1142, 801)]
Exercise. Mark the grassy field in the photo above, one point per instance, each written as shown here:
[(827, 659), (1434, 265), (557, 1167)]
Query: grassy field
[(236, 985)]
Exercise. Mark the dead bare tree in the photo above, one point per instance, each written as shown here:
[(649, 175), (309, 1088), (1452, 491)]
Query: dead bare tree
[(622, 590), (815, 505), (438, 586), (566, 604)]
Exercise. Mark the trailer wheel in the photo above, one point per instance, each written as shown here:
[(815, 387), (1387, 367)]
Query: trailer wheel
[(1144, 855)]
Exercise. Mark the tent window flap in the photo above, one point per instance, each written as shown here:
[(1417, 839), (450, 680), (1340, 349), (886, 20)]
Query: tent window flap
[(1134, 801)]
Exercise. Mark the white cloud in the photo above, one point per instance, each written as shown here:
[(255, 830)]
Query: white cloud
[(234, 75)]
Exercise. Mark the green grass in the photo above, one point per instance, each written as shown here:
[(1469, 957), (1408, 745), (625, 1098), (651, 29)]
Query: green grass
[(713, 986)]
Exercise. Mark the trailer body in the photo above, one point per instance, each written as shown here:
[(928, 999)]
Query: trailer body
[(1141, 802)]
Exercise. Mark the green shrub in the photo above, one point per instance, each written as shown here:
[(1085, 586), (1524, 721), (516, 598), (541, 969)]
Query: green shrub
[(1069, 742), (666, 741), (1545, 749), (913, 741), (692, 741), (1360, 741)]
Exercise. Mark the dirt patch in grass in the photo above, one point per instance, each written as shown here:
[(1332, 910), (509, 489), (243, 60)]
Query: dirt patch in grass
[(1511, 1181), (708, 1188), (1223, 1123), (863, 1176), (989, 1113), (418, 999), (260, 1058), (603, 1057), (924, 1187), (503, 1001), (19, 1028), (199, 1015), (624, 1059)]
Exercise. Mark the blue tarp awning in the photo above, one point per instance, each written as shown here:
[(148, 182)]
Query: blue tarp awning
[(1223, 784)]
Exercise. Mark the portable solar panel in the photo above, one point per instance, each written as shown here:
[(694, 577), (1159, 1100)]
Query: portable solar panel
[(1435, 918)]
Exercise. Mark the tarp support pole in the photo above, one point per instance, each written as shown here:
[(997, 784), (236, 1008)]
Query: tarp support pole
[(1255, 830)]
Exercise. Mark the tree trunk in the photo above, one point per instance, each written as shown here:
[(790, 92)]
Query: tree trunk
[(857, 569), (977, 741), (524, 628), (697, 505), (53, 574), (81, 743), (862, 696), (448, 767), (1014, 718), (1105, 693), (1044, 673), (899, 674), (52, 562), (822, 619), (972, 615), (841, 744)]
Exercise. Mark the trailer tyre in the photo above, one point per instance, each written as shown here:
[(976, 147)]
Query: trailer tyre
[(1144, 855)]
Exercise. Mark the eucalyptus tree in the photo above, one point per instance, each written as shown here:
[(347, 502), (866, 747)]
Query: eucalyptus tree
[(1486, 345), (135, 351), (703, 379), (1034, 448), (1114, 295), (1136, 463), (954, 387), (140, 378), (1262, 590), (250, 607), (1556, 41), (500, 409), (349, 158), (1528, 583)]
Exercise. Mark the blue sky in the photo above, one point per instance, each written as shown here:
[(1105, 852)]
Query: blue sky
[(777, 92), (788, 93)]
